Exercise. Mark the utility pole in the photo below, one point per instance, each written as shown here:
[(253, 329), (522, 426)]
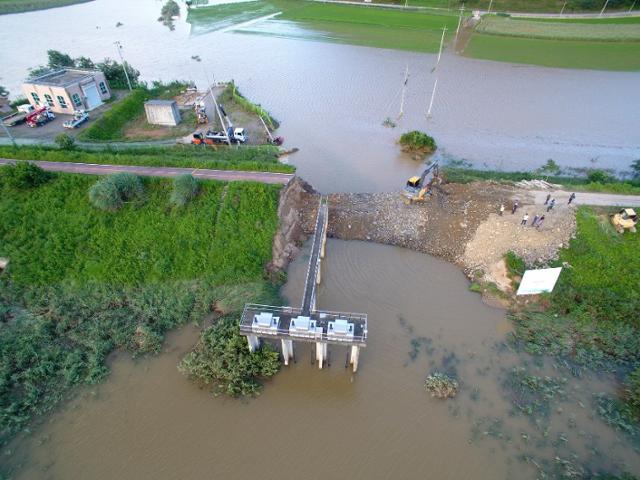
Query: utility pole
[(433, 96), (563, 7), (404, 88), (604, 8), (490, 3), (124, 64), (215, 103), (632, 5), (444, 29), (6, 130), (459, 22)]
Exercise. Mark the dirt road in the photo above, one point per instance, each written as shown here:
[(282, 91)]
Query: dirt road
[(585, 198), (225, 175)]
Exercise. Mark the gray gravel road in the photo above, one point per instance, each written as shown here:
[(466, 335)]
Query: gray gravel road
[(584, 198), (225, 175)]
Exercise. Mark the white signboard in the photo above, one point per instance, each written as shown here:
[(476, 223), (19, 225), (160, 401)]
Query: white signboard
[(538, 281)]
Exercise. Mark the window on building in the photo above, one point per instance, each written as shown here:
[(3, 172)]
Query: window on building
[(48, 99), (75, 98), (35, 97), (62, 101), (103, 88)]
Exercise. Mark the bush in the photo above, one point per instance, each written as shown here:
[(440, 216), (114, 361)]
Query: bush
[(515, 265), (185, 187), (599, 176), (24, 175), (222, 360), (633, 391), (65, 142), (110, 193), (441, 385), (417, 141)]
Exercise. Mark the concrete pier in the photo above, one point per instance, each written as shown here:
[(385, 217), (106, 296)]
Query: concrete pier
[(353, 358), (321, 353), (254, 342), (287, 350)]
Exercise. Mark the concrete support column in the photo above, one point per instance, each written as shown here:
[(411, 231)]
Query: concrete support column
[(321, 353), (355, 354), (254, 342), (287, 350)]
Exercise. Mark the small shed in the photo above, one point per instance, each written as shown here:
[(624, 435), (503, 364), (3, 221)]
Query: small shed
[(162, 112)]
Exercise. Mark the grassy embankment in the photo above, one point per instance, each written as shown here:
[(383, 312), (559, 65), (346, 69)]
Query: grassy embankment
[(606, 44), (579, 184), (82, 282), (375, 27), (531, 6), (232, 96), (260, 158), (17, 6), (126, 119)]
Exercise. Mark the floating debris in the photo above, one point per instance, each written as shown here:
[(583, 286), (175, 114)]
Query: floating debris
[(441, 385), (389, 123)]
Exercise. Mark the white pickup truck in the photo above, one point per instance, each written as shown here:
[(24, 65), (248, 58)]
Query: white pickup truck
[(236, 135)]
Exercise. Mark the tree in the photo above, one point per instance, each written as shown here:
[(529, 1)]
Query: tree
[(416, 141), (58, 59), (24, 175), (84, 62), (599, 176), (635, 169), (550, 168), (185, 187), (115, 75), (111, 193), (65, 141)]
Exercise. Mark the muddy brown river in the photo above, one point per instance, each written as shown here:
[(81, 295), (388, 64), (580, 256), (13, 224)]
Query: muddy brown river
[(148, 421)]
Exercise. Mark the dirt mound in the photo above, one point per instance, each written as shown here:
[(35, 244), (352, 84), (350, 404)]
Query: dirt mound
[(296, 211)]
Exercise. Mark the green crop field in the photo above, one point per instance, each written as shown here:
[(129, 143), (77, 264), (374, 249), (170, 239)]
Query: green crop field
[(614, 32), (592, 21), (532, 6), (556, 53), (17, 6), (82, 282)]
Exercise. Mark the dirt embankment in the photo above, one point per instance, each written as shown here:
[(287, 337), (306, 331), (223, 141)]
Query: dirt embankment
[(459, 223)]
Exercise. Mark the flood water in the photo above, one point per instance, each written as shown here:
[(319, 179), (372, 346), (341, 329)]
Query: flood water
[(148, 421), (333, 98)]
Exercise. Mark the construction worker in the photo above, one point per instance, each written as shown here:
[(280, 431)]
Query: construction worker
[(524, 219), (540, 220), (501, 209), (552, 204), (572, 197), (534, 222), (515, 207), (548, 198)]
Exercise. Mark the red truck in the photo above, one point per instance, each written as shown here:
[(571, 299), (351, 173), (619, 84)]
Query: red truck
[(39, 117)]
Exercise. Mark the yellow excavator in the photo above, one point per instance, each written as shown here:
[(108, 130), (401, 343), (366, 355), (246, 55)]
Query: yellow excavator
[(625, 219), (419, 188)]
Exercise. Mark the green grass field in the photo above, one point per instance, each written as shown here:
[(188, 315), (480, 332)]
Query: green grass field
[(591, 21), (556, 53), (17, 6), (82, 282), (532, 6), (210, 19), (612, 32)]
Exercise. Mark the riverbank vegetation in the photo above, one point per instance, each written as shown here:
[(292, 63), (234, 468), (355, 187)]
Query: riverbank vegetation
[(82, 282), (169, 10), (17, 6), (532, 6), (592, 181), (231, 94), (247, 158), (604, 44)]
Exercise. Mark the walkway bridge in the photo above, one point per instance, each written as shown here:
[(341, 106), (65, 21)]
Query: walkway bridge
[(307, 324)]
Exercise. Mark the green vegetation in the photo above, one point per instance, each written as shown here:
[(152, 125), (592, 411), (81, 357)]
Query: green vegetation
[(17, 6), (416, 141), (619, 32), (588, 183), (221, 360), (65, 142), (259, 158), (185, 188), (216, 17), (441, 385), (112, 192), (612, 44), (532, 395), (23, 176), (515, 267), (82, 282), (169, 10), (232, 94), (533, 6)]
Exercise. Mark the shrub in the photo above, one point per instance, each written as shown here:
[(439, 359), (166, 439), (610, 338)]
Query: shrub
[(222, 360), (25, 175), (185, 187), (441, 385), (65, 142), (633, 391), (599, 176), (110, 193), (515, 265), (417, 141)]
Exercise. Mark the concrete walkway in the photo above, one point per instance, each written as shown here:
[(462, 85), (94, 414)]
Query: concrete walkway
[(208, 174), (588, 198)]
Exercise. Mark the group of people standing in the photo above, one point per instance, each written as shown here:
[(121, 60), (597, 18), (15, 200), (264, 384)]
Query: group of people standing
[(538, 220)]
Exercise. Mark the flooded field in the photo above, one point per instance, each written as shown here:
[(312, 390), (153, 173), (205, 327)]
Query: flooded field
[(496, 115)]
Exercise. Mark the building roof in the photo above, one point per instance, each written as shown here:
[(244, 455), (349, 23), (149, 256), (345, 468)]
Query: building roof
[(63, 78), (160, 102)]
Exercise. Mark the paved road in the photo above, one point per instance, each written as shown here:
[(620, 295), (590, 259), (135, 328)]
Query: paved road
[(584, 198), (225, 175)]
